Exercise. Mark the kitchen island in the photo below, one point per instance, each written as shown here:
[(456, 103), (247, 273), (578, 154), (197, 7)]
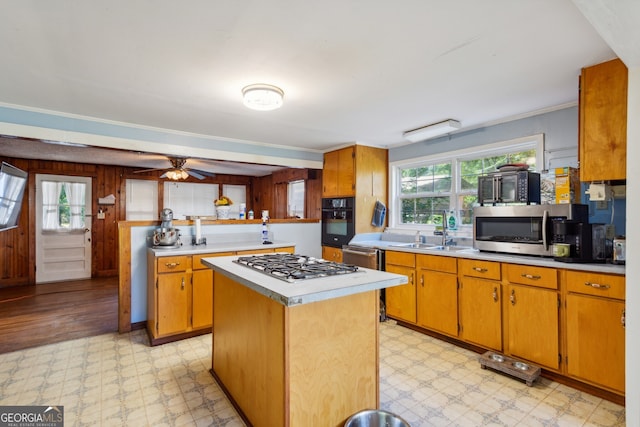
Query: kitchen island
[(296, 354)]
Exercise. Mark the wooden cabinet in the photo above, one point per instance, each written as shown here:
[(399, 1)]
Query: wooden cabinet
[(332, 254), (595, 329), (338, 173), (169, 295), (533, 319), (180, 294), (480, 296), (401, 300), (437, 293), (603, 122), (360, 172)]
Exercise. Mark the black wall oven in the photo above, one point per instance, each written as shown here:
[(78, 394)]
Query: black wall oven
[(338, 221)]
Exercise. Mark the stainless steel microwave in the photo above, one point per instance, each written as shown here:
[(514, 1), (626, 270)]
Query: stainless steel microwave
[(509, 187), (521, 229)]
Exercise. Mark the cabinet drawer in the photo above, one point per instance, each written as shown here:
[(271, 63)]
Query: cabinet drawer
[(198, 265), (475, 268), (444, 264), (171, 264), (535, 276), (406, 259), (602, 285), (255, 251)]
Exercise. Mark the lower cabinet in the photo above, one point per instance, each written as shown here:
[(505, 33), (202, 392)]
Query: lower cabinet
[(332, 254), (180, 294), (595, 329), (437, 293), (533, 318), (481, 303), (401, 300)]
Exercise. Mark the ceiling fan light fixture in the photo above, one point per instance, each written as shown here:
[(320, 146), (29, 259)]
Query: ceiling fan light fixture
[(262, 97), (432, 130), (177, 174)]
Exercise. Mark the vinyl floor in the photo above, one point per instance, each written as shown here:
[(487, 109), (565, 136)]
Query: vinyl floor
[(119, 380)]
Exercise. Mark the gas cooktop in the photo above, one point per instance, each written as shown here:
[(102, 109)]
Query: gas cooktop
[(293, 267)]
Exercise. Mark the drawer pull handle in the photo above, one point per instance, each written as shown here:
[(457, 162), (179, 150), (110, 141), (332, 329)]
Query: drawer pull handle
[(495, 294), (597, 285), (512, 298), (531, 276), (480, 269), (623, 319), (182, 285), (171, 264)]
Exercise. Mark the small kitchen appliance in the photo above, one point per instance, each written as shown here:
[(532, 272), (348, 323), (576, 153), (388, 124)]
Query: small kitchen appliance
[(576, 234), (511, 186), (166, 236), (292, 267), (619, 250)]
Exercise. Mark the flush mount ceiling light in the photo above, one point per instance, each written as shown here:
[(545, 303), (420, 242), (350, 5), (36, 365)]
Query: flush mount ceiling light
[(433, 130), (262, 97)]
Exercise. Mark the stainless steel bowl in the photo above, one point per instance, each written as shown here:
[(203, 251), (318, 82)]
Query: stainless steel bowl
[(165, 236)]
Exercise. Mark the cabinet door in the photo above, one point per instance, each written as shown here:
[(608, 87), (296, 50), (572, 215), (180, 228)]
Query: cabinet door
[(332, 254), (202, 302), (401, 300), (533, 325), (481, 313), (603, 122), (173, 303), (338, 173), (595, 340), (437, 295)]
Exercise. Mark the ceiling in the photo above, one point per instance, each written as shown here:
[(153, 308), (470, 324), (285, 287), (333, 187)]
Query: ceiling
[(352, 71)]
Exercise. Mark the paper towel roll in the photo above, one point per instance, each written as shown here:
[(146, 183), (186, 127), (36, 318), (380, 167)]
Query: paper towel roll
[(198, 229)]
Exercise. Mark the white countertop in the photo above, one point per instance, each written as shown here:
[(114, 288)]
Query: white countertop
[(308, 290), (471, 253), (218, 246)]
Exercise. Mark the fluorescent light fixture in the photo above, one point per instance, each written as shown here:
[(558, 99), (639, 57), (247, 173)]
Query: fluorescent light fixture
[(262, 97), (433, 130)]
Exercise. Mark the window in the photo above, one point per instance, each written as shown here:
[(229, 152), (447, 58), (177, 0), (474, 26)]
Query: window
[(187, 198), (423, 190), (142, 199), (295, 199), (63, 206), (237, 194)]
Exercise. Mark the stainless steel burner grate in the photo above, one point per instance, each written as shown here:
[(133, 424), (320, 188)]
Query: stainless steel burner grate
[(293, 267)]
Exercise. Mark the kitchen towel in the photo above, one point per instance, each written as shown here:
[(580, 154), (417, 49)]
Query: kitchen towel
[(379, 212)]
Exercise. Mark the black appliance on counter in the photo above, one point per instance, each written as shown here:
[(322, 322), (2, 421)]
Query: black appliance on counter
[(520, 186), (587, 241), (338, 221)]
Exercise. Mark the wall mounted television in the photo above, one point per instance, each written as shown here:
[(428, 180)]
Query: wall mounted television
[(12, 184)]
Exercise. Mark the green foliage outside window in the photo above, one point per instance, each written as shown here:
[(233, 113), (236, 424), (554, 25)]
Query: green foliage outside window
[(428, 190)]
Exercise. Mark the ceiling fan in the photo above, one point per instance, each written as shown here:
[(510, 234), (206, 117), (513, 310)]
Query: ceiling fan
[(178, 171)]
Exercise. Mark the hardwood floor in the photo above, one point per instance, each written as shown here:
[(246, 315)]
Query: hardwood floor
[(43, 314)]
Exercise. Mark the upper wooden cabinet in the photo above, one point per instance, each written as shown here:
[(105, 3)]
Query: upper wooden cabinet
[(603, 122), (360, 172), (338, 173)]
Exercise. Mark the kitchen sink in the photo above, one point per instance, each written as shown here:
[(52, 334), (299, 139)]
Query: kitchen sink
[(449, 248), (414, 245)]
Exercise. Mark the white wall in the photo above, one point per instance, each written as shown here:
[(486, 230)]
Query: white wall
[(633, 253)]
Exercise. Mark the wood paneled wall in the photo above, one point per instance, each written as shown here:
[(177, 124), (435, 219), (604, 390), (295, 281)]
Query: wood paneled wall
[(17, 246)]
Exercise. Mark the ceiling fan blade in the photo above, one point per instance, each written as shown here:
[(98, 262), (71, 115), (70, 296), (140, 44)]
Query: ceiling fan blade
[(201, 172), (164, 175), (149, 170), (194, 174)]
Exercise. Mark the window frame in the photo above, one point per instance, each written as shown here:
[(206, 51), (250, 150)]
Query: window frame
[(454, 157)]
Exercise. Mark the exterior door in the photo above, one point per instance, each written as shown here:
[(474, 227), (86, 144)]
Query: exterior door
[(63, 228)]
